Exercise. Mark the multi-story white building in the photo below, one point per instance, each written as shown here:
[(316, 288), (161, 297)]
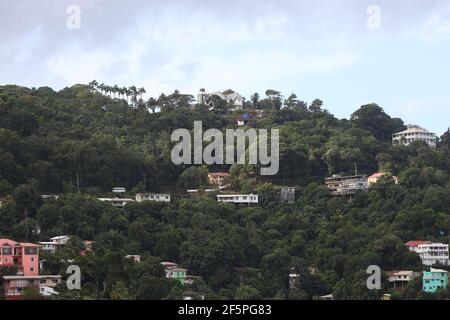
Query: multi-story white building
[(238, 198), (348, 185), (412, 134), (48, 247), (140, 197), (229, 96), (430, 253)]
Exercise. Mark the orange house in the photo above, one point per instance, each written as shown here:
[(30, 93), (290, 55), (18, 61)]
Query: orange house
[(23, 255)]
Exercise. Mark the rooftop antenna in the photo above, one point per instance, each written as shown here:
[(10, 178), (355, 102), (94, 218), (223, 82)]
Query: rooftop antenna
[(356, 168)]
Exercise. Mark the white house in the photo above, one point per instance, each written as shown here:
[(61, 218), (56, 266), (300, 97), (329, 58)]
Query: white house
[(140, 197), (412, 134), (47, 291), (430, 253), (60, 240), (117, 202), (135, 257), (238, 198), (229, 96), (48, 247), (50, 196), (399, 279)]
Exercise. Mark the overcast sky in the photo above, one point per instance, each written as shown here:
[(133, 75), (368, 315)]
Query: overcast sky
[(327, 49)]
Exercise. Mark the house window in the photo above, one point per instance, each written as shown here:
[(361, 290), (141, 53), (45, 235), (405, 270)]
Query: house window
[(31, 269), (30, 251)]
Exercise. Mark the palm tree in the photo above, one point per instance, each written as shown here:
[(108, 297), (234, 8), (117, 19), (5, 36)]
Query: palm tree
[(133, 92), (127, 92), (152, 104), (93, 85), (115, 90), (102, 88), (141, 91)]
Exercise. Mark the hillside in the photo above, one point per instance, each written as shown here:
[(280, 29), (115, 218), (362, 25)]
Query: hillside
[(81, 143)]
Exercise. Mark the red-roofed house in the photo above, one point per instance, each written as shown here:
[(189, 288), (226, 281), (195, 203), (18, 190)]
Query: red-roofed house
[(430, 253), (415, 243), (377, 176)]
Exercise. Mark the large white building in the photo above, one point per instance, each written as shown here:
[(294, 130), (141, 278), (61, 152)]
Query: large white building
[(430, 253), (140, 197), (238, 198), (412, 134), (229, 96)]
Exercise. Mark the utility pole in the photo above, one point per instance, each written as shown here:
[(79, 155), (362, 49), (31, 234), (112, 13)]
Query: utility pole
[(78, 183), (356, 169)]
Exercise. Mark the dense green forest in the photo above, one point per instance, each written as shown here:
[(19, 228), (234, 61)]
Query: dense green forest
[(81, 142)]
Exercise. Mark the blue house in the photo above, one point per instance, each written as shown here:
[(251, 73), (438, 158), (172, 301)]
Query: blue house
[(434, 280)]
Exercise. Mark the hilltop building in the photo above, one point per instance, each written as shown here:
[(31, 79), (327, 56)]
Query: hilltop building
[(412, 134), (229, 96)]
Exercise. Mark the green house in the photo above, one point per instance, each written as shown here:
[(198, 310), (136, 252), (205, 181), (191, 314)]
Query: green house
[(178, 274), (174, 272), (434, 280)]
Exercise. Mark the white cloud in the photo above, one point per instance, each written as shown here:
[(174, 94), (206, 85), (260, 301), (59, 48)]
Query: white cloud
[(435, 27), (77, 66)]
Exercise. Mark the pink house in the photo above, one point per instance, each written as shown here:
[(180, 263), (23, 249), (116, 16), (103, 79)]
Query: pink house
[(23, 255)]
